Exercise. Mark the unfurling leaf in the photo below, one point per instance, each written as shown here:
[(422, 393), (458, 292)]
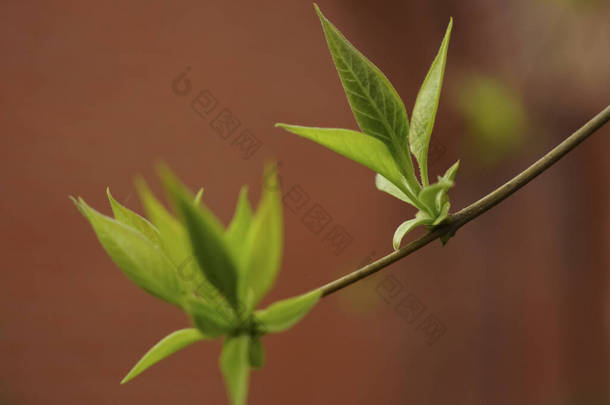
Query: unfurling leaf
[(430, 194), (442, 199), (426, 104), (435, 199), (282, 315), (436, 195), (140, 259), (407, 226), (166, 347), (235, 367)]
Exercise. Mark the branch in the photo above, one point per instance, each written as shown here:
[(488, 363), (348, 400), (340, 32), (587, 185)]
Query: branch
[(459, 219)]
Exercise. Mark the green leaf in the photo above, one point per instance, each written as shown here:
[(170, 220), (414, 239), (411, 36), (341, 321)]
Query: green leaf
[(206, 235), (284, 314), (426, 104), (175, 241), (436, 203), (451, 172), (429, 195), (443, 214), (265, 242), (435, 196), (361, 148), (237, 231), (407, 226), (212, 319), (166, 347), (256, 353), (387, 186), (234, 364), (141, 260), (198, 197), (376, 106), (130, 218), (173, 234), (442, 199)]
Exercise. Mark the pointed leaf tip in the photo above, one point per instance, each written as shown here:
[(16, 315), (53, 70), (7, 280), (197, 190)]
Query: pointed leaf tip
[(167, 346), (137, 256), (426, 105), (198, 196), (238, 229), (74, 201), (263, 245), (284, 314), (361, 148), (127, 217), (375, 104), (207, 240)]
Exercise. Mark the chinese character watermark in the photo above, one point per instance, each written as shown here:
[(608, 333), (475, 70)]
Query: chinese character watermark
[(411, 309), (221, 119)]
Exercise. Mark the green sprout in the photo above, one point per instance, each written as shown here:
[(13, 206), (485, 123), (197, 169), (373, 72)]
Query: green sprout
[(387, 141), (234, 267)]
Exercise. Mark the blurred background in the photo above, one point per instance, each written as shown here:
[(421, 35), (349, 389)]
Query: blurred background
[(515, 309)]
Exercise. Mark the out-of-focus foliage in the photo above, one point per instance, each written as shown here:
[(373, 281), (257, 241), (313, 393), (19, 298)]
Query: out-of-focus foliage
[(494, 115), (232, 268), (579, 4)]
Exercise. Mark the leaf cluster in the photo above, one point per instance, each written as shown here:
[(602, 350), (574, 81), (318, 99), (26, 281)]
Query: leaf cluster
[(216, 274), (387, 140)]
